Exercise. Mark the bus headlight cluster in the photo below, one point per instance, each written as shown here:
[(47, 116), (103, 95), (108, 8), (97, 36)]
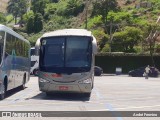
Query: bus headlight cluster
[(86, 81), (43, 80)]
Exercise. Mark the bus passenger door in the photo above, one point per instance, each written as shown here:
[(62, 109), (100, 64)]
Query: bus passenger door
[(8, 61), (17, 72), (8, 69)]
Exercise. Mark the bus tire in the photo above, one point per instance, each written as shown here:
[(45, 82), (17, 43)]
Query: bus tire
[(93, 84), (22, 87), (87, 95), (35, 72), (4, 89)]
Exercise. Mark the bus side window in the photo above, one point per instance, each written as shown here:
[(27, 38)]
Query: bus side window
[(1, 52), (1, 44), (9, 44)]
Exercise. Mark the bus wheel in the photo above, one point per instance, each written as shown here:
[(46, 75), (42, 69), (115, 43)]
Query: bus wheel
[(3, 91), (87, 95), (93, 84), (22, 87), (35, 72)]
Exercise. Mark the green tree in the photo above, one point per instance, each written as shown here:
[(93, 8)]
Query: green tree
[(30, 25), (74, 7), (106, 48), (23, 4), (13, 9), (2, 18), (54, 1), (126, 40), (51, 8), (38, 22), (152, 37), (117, 42), (29, 19), (27, 15), (101, 37), (17, 8), (38, 6), (34, 22), (120, 17), (134, 35), (103, 8)]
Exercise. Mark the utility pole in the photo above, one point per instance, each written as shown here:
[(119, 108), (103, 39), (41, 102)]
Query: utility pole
[(111, 36), (86, 14)]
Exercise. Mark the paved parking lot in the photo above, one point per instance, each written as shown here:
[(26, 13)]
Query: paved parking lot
[(111, 93)]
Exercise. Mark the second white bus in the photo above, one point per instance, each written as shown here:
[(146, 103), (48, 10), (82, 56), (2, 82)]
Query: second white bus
[(34, 62), (66, 61)]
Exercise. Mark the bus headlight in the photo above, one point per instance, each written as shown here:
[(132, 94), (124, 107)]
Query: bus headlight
[(86, 81), (43, 80)]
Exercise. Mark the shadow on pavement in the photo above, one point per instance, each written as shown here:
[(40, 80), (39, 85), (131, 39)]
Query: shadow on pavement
[(61, 96), (13, 91)]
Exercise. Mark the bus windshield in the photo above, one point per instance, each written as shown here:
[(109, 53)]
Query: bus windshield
[(61, 54)]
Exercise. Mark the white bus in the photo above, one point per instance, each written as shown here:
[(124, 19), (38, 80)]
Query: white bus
[(34, 62), (66, 61), (14, 60)]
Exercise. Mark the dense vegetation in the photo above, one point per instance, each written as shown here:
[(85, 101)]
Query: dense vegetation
[(118, 25)]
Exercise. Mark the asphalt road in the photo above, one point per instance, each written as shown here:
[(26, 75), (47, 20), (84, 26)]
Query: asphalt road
[(111, 93)]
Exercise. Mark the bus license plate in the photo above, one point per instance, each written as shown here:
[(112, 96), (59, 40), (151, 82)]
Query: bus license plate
[(63, 87)]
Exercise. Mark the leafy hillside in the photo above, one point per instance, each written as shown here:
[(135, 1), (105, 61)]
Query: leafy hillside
[(118, 25)]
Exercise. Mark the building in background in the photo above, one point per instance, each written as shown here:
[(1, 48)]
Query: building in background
[(3, 6)]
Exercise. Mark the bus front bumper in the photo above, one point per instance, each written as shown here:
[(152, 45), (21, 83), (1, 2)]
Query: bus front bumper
[(73, 87)]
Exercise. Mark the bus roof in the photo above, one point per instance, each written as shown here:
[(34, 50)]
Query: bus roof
[(10, 31), (68, 32)]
